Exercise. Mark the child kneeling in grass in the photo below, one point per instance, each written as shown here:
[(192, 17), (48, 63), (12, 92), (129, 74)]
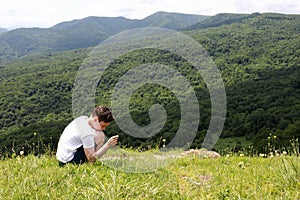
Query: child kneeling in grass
[(83, 139)]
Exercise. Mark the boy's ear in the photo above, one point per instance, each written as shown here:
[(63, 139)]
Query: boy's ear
[(96, 119)]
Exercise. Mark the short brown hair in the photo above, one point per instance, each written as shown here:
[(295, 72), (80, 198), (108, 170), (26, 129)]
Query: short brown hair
[(103, 113)]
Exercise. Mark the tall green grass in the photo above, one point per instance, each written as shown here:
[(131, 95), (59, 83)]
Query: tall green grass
[(189, 177)]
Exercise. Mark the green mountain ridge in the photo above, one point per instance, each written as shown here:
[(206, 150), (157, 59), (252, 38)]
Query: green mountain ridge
[(81, 33), (229, 18), (174, 21), (221, 19)]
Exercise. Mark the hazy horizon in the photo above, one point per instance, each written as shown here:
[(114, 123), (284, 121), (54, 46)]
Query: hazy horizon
[(44, 14)]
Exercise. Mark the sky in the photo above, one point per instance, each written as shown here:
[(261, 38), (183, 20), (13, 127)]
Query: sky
[(47, 13)]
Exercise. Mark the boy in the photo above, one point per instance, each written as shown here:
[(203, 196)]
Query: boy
[(82, 140)]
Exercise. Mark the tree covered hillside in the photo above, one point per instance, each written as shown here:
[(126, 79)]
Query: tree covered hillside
[(258, 58)]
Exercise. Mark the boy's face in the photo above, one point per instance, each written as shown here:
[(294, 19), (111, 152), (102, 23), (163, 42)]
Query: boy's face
[(103, 125)]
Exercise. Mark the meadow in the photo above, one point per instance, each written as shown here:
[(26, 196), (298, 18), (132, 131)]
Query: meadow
[(186, 177)]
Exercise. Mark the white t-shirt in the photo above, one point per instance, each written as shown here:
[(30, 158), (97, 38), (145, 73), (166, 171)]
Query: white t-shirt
[(78, 133)]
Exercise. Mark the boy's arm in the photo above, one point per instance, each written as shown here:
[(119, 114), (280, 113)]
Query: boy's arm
[(99, 140), (92, 155)]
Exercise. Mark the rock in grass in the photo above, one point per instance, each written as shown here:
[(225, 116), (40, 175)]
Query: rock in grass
[(204, 153)]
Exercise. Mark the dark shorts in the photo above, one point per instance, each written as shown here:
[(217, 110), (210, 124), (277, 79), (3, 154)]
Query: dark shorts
[(79, 157)]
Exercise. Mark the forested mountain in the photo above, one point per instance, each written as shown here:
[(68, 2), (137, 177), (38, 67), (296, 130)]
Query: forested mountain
[(82, 33), (259, 60), (220, 19), (257, 55)]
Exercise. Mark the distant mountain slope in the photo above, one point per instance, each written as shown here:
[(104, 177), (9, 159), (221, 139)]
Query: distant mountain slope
[(82, 33), (173, 21), (64, 36), (109, 25), (228, 18), (3, 30), (221, 19), (88, 31)]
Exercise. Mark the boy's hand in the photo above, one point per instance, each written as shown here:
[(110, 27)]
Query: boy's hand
[(113, 140)]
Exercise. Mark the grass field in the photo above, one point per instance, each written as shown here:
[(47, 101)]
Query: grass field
[(188, 177)]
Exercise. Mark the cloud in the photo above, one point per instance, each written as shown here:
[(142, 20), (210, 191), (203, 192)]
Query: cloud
[(279, 6)]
